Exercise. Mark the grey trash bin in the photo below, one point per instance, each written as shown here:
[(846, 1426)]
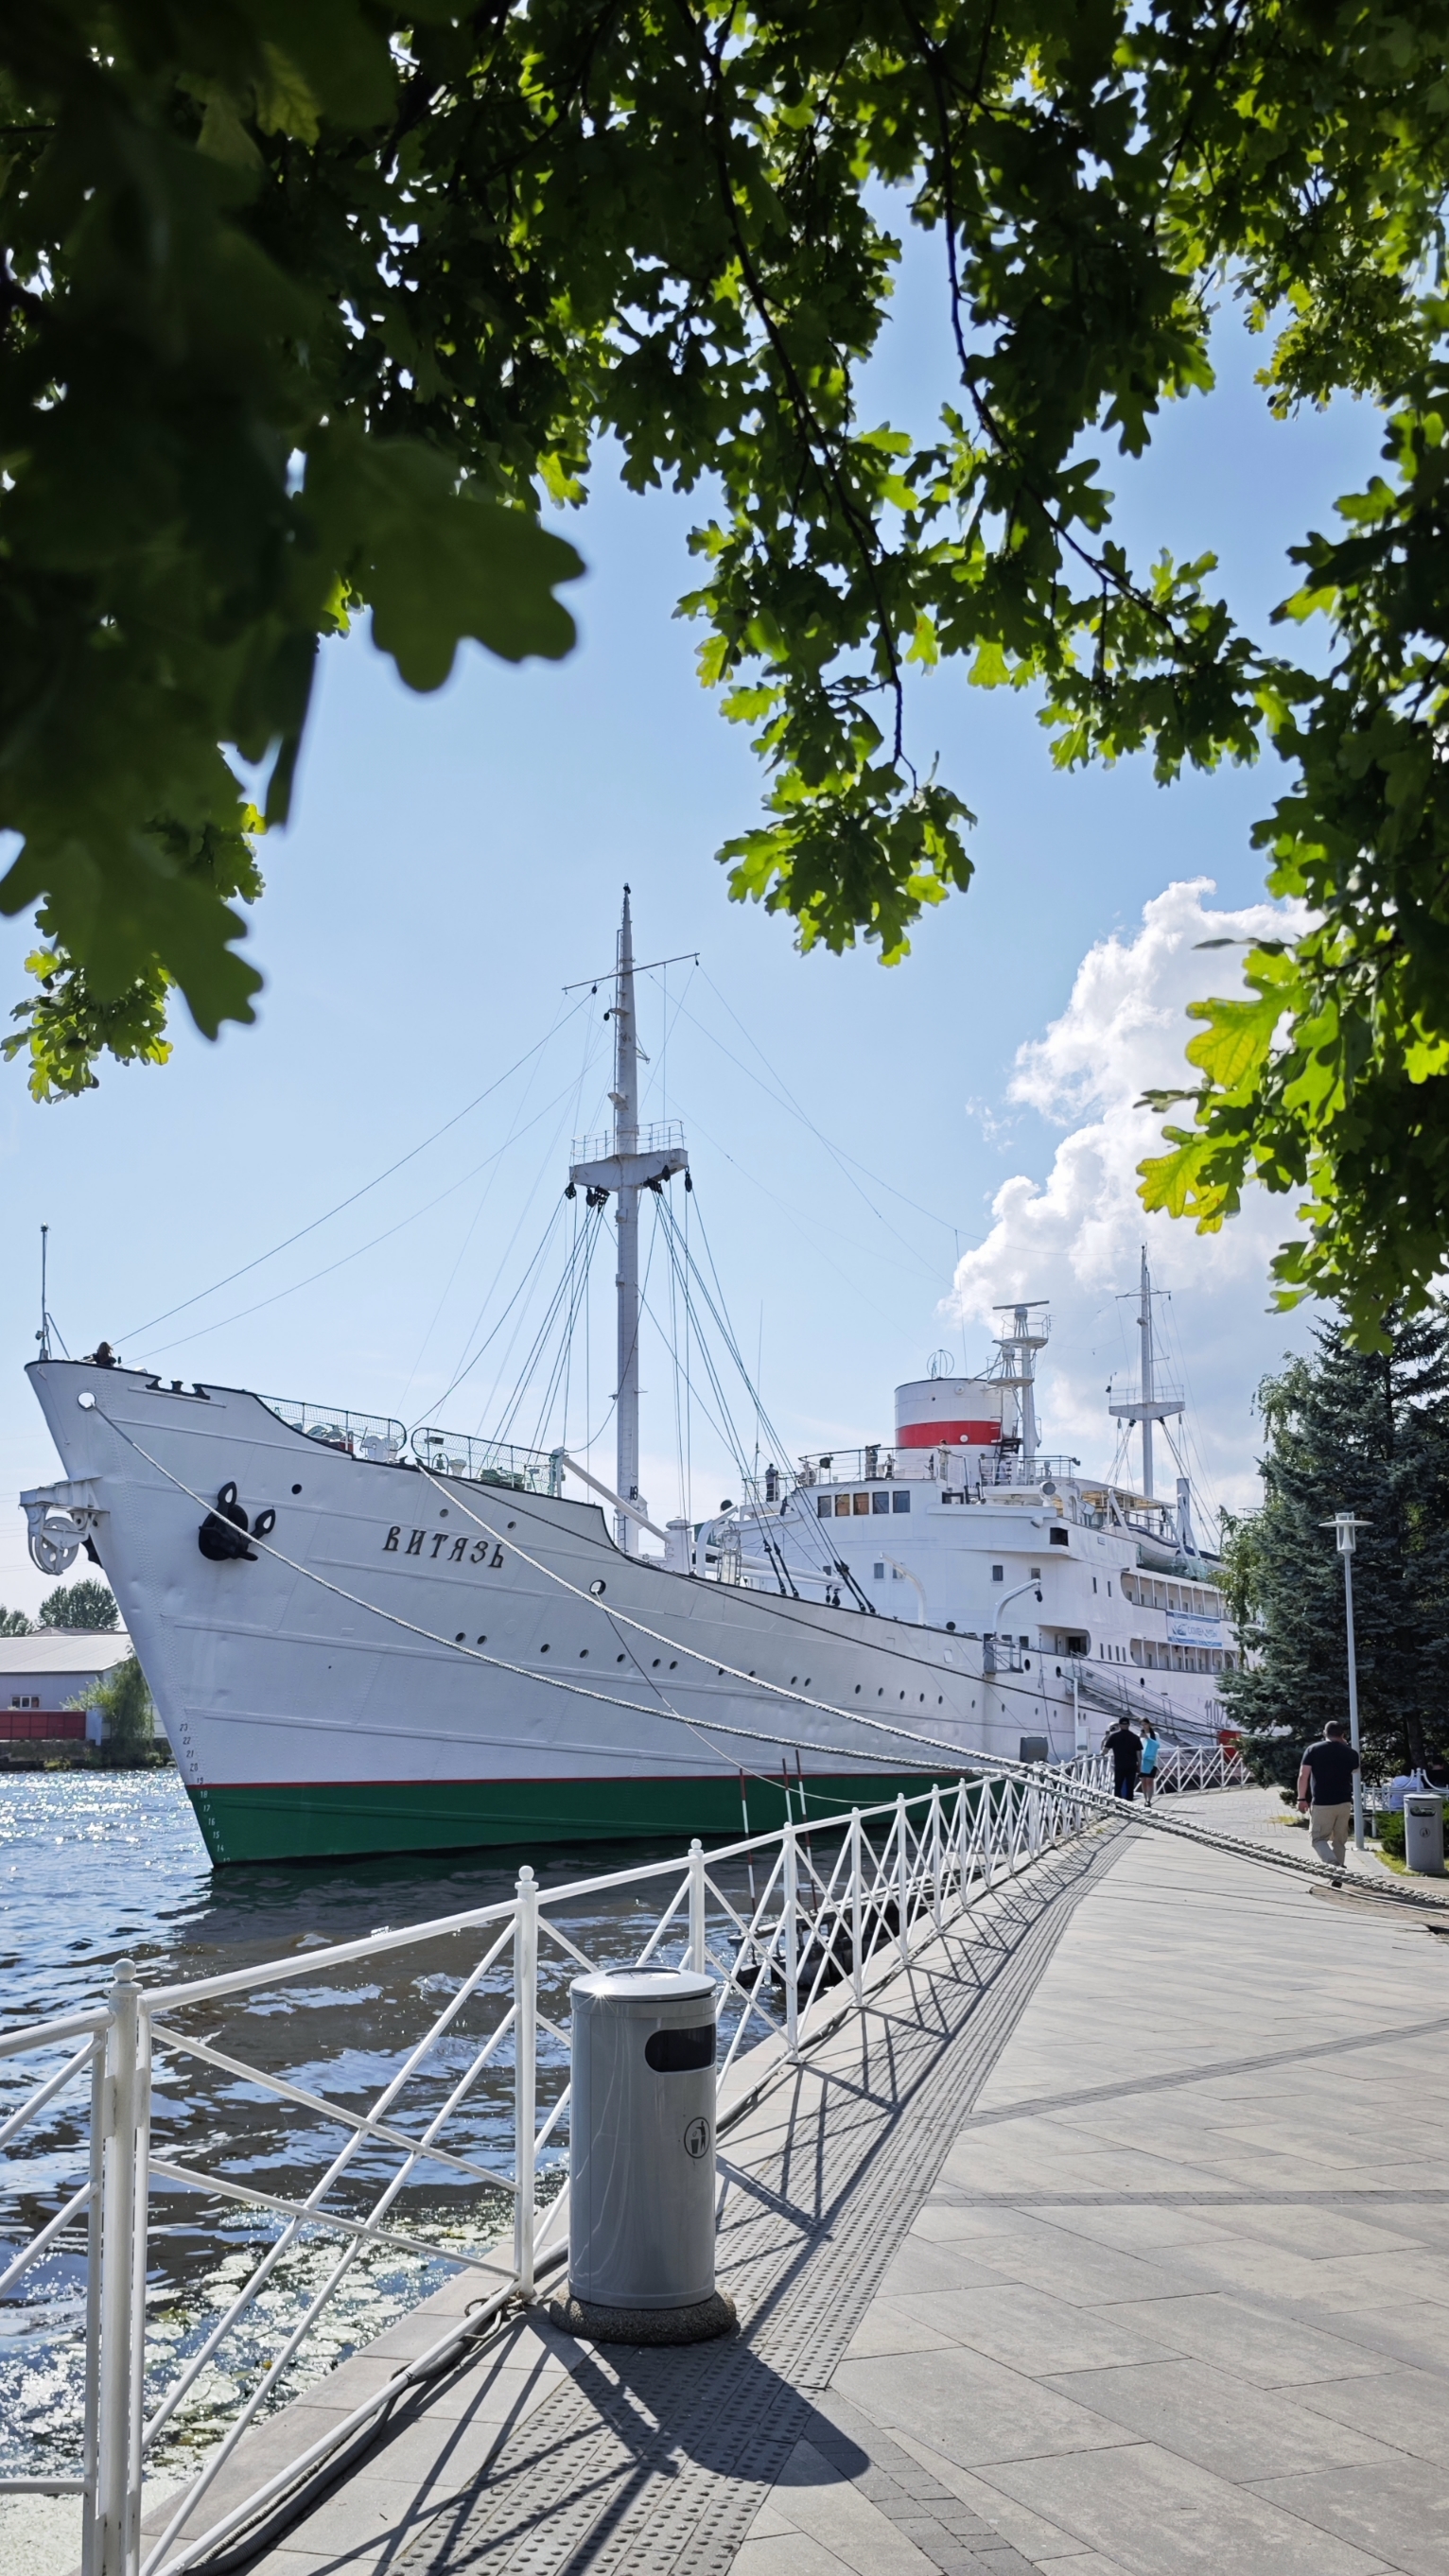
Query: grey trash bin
[(642, 2175), (1424, 1833)]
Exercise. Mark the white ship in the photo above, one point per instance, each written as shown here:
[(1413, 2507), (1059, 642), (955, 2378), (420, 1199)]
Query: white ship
[(361, 1642)]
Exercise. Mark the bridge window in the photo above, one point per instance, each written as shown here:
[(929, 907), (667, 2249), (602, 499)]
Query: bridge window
[(900, 1502), (842, 1507), (879, 1572), (822, 1507), (998, 1574), (880, 1502), (860, 1503)]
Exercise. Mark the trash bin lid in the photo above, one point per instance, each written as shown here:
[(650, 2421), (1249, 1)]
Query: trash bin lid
[(1423, 1802), (645, 1988)]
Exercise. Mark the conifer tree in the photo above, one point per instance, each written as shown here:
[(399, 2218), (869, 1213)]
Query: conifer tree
[(1367, 1432)]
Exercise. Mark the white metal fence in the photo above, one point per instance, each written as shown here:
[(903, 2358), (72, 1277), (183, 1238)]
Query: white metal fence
[(794, 1925), (1180, 1766)]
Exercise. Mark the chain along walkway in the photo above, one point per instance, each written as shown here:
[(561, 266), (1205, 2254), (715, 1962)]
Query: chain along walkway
[(1113, 2235)]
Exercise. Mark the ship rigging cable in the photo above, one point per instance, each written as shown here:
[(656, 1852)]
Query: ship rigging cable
[(959, 1757), (374, 1184)]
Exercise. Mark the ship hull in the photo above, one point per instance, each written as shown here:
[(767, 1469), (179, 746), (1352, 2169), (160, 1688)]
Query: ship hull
[(317, 1821), (410, 1663)]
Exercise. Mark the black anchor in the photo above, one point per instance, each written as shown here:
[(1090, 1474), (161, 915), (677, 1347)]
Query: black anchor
[(223, 1534)]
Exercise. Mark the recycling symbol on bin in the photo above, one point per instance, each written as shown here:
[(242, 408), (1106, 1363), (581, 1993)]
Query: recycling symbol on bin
[(696, 2138)]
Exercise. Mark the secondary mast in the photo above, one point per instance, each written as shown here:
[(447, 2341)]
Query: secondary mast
[(633, 1161), (625, 1097), (1147, 1406)]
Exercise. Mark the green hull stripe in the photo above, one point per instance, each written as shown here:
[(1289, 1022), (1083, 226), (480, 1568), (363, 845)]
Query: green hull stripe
[(358, 1818)]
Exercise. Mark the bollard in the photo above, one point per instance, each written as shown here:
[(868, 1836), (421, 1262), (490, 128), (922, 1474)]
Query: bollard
[(642, 2178), (1424, 1833)]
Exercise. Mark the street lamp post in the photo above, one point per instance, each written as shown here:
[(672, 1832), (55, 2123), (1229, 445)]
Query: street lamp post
[(1345, 1528)]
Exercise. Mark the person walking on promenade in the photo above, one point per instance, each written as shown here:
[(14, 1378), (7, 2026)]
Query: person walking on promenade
[(1325, 1791), (1126, 1753), (1150, 1750)]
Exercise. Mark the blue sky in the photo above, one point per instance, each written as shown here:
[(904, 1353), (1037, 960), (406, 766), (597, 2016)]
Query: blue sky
[(457, 860)]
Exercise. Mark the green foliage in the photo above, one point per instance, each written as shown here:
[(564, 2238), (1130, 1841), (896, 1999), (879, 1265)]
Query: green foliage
[(314, 303), (130, 1717), (13, 1623), (80, 1605), (1366, 1431), (1391, 1836)]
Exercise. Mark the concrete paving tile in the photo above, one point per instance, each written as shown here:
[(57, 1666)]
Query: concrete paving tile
[(831, 2511), (789, 2555), (1024, 2328), (1036, 2538), (1406, 2409), (1155, 2514), (497, 2394), (1400, 2514), (364, 2512), (1075, 2270), (1148, 2232), (888, 2326), (1207, 2416), (1340, 2231), (970, 2408), (284, 2560), (1409, 2331), (769, 2524), (1274, 2351), (921, 2264)]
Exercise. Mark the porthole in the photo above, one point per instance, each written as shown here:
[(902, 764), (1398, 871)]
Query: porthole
[(583, 1650), (674, 1665), (513, 1524), (857, 1690), (296, 1489), (482, 1641), (458, 1640), (543, 1650), (655, 1665), (596, 1587), (618, 1659)]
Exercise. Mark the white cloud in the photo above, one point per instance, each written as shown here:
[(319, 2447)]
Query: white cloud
[(1075, 1236)]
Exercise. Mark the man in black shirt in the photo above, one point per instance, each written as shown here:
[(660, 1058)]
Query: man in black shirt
[(1325, 1791), (1125, 1749)]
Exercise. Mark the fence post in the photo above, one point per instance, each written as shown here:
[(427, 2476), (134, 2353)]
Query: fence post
[(903, 1883), (696, 1907), (792, 1945), (936, 1853), (525, 2038), (118, 2395), (856, 1977)]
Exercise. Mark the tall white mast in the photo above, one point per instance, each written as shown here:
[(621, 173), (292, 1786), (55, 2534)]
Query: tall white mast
[(1146, 1406), (625, 1163), (625, 1097), (1144, 1327)]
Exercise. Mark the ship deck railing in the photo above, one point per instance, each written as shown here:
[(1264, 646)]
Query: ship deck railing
[(360, 1435), (489, 1462)]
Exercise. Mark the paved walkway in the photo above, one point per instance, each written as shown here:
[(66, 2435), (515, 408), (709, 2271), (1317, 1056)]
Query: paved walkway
[(1120, 2241), (1179, 2298), (544, 2455)]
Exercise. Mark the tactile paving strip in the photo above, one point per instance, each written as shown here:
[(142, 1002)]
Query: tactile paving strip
[(655, 2461)]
